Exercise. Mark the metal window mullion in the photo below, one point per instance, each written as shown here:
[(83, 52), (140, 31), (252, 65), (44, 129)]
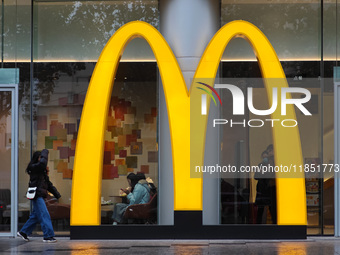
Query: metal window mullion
[(12, 165), (336, 161), (14, 160), (15, 144)]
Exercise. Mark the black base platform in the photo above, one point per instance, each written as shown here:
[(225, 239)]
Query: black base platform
[(188, 225)]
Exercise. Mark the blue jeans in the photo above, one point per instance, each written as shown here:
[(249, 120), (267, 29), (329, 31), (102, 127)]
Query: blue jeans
[(39, 215), (118, 212)]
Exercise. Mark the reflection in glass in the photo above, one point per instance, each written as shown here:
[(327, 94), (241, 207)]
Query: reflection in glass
[(295, 30), (58, 97), (131, 147), (74, 34), (291, 27), (328, 157), (246, 198), (5, 159), (79, 30), (130, 137), (250, 198)]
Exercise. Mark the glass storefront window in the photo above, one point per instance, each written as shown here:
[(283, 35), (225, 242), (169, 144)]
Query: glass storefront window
[(130, 137), (130, 142), (297, 33), (24, 139), (57, 106), (5, 157), (16, 53), (61, 78), (328, 157), (15, 31), (79, 30), (68, 37), (293, 28)]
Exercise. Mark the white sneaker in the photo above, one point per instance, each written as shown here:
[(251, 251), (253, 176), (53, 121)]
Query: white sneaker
[(23, 236), (49, 240)]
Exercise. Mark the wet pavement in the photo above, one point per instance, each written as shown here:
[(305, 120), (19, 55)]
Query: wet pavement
[(313, 245)]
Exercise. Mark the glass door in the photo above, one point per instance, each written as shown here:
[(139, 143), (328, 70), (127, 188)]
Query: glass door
[(8, 159)]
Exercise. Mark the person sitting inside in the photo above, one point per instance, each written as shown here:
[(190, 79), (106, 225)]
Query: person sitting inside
[(153, 188), (266, 190), (139, 194)]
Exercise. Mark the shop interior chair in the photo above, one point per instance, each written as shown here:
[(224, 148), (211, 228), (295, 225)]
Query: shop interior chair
[(5, 203), (58, 211), (142, 213)]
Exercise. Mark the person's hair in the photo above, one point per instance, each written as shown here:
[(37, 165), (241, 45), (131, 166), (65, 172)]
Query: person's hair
[(140, 176), (264, 152), (270, 147), (134, 180), (35, 159)]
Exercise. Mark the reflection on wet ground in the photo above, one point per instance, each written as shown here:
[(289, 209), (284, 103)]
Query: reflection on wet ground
[(319, 245)]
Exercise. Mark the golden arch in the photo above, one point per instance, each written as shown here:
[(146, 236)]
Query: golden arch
[(291, 196), (89, 154)]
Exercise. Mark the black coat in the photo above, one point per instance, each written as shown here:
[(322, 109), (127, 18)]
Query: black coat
[(39, 177)]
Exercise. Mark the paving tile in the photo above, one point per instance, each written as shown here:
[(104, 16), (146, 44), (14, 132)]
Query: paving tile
[(312, 246)]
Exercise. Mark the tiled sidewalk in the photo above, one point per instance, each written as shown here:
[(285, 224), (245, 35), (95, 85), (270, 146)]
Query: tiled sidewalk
[(322, 245)]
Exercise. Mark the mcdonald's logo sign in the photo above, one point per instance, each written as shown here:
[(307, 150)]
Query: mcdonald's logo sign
[(86, 186)]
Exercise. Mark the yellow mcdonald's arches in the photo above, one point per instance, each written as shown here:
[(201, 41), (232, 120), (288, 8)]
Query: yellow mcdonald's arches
[(291, 196), (86, 187), (89, 153)]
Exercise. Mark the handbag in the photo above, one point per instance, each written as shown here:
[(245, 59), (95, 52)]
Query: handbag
[(31, 192)]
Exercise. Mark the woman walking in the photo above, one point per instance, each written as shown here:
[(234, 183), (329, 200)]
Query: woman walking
[(37, 169)]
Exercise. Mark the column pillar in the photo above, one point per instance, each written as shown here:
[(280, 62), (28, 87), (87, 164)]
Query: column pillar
[(187, 26)]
